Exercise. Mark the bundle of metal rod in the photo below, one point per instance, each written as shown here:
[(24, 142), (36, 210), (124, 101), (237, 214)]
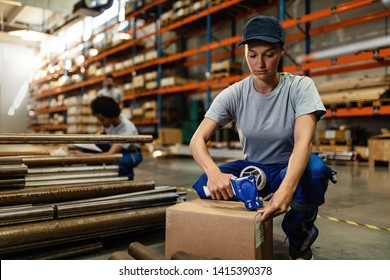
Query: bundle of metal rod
[(73, 182), (71, 159), (72, 175), (13, 170), (12, 175), (156, 190), (141, 252), (74, 169), (58, 194), (33, 213), (32, 138), (25, 214), (110, 205), (10, 160), (16, 238), (56, 176), (14, 183), (24, 182), (68, 176)]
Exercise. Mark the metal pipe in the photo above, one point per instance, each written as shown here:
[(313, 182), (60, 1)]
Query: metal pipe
[(32, 138), (50, 194), (5, 183), (74, 175), (9, 160), (73, 182), (13, 170), (156, 190), (17, 237), (72, 159), (26, 214), (110, 205), (141, 252), (66, 169)]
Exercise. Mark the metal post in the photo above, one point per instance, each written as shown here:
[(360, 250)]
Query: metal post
[(307, 33), (208, 55), (159, 67)]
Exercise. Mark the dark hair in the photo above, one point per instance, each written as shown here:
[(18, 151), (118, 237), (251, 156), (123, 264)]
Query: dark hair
[(105, 106), (281, 64)]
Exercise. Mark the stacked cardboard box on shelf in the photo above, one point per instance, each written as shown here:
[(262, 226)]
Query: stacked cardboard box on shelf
[(79, 116)]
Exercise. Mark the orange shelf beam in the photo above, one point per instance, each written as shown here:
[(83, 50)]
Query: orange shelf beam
[(145, 121), (359, 112), (339, 25), (351, 68), (361, 57), (326, 12)]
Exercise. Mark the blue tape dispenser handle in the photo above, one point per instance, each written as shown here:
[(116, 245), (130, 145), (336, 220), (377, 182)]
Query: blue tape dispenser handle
[(245, 189)]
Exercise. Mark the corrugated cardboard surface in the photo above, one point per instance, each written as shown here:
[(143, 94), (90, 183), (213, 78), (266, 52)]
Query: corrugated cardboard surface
[(217, 229)]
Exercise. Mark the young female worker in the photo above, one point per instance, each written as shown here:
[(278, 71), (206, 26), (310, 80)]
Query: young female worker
[(276, 114)]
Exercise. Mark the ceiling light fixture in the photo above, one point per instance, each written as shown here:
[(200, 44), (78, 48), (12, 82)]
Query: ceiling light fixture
[(29, 35)]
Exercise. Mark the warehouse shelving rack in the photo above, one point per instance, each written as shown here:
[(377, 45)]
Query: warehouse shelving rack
[(342, 64)]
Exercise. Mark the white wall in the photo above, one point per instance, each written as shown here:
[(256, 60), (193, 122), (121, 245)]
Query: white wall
[(16, 66)]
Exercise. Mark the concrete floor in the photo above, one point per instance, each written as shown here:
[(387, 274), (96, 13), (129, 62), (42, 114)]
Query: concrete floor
[(354, 222)]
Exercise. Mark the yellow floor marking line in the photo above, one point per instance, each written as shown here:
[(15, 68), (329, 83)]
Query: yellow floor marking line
[(353, 223)]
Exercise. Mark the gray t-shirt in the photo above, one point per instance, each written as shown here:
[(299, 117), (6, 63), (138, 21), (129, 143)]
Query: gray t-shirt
[(125, 127), (265, 122)]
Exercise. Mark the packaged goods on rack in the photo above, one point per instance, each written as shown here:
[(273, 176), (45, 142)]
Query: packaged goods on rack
[(225, 68), (173, 81), (138, 82)]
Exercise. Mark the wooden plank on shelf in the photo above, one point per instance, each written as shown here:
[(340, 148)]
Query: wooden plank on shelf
[(353, 83), (354, 95)]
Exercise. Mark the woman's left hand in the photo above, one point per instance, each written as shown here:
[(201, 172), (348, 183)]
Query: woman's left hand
[(278, 205)]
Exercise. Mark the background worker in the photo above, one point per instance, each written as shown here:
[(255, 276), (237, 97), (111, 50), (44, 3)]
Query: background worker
[(276, 114), (109, 89), (107, 111)]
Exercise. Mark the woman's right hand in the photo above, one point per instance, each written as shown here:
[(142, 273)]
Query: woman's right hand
[(219, 186)]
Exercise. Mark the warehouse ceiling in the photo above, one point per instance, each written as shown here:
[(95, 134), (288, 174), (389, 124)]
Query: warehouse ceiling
[(44, 16)]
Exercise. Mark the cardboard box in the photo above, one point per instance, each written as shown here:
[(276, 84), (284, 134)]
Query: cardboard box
[(379, 149), (217, 229), (169, 136)]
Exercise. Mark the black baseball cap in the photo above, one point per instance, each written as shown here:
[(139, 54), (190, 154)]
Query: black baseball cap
[(265, 28)]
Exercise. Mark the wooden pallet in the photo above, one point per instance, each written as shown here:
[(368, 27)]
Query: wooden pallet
[(225, 69)]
